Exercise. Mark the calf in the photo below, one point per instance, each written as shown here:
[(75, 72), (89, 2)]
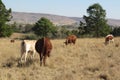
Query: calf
[(70, 39), (27, 46), (43, 46), (109, 38)]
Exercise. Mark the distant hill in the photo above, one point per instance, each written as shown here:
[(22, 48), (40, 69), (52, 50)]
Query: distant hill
[(31, 18), (113, 22)]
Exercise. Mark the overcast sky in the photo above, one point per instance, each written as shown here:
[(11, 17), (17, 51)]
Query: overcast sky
[(70, 8)]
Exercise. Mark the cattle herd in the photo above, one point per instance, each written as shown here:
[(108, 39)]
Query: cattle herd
[(44, 47)]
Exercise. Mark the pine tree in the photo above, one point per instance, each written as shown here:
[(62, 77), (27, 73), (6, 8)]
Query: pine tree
[(43, 27), (5, 16), (96, 24)]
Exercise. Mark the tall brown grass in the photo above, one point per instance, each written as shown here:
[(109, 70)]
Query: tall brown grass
[(88, 59)]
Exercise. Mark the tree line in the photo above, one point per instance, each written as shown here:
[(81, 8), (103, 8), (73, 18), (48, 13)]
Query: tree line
[(94, 25)]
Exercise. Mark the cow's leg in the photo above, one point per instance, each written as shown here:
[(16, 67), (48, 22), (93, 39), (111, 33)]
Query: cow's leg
[(112, 40), (40, 59), (26, 55), (22, 55), (73, 42), (44, 60), (48, 53), (109, 42), (33, 54)]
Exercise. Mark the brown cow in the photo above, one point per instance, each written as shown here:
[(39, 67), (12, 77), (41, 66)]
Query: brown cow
[(12, 40), (43, 46), (109, 38), (70, 39)]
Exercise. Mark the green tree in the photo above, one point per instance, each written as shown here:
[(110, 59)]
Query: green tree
[(5, 16), (43, 27), (116, 31), (75, 32), (96, 24), (28, 28), (81, 28)]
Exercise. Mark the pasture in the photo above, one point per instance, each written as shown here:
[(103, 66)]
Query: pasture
[(88, 59)]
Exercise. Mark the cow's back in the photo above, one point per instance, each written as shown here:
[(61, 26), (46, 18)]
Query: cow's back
[(43, 46), (39, 45), (72, 38), (43, 43), (48, 45)]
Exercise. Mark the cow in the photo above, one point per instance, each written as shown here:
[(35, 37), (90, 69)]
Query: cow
[(44, 47), (70, 39), (12, 40), (27, 46), (109, 38)]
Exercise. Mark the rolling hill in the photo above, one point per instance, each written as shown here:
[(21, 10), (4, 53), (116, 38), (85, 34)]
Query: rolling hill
[(31, 18)]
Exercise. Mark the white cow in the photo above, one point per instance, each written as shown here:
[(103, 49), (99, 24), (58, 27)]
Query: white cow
[(27, 46)]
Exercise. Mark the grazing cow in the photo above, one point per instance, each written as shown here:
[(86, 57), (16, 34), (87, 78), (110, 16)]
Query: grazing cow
[(12, 40), (27, 46), (109, 38), (43, 46), (70, 39)]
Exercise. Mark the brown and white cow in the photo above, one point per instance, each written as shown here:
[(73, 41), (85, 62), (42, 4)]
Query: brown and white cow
[(43, 46), (27, 46), (109, 38), (70, 39)]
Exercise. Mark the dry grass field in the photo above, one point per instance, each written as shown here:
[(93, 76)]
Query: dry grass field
[(89, 59)]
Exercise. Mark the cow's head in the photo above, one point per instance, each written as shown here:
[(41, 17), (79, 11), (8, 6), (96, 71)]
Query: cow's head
[(66, 42)]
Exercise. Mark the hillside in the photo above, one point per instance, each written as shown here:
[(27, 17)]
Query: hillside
[(113, 22), (31, 18)]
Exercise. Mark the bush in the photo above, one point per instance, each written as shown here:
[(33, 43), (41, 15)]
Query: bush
[(5, 31), (31, 37)]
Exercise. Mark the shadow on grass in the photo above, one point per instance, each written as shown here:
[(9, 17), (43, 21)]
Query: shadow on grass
[(28, 63), (15, 62)]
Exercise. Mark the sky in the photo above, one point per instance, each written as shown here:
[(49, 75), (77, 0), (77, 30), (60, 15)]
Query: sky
[(70, 8)]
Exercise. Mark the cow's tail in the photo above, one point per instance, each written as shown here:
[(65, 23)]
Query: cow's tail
[(22, 49), (44, 45), (43, 48), (22, 46)]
